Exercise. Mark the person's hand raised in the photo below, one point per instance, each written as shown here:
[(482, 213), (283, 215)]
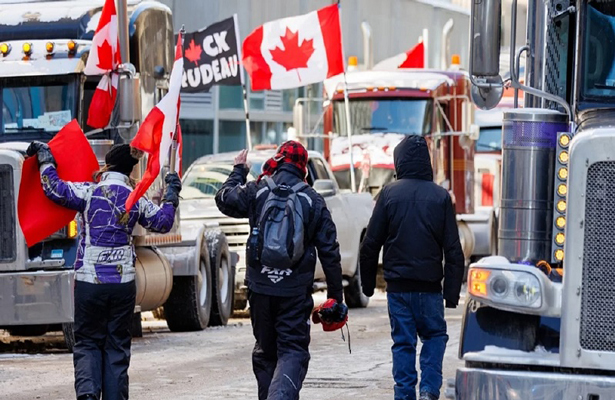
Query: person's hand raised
[(242, 158)]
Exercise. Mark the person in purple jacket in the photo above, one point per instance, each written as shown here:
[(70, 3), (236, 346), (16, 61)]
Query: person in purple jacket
[(105, 287)]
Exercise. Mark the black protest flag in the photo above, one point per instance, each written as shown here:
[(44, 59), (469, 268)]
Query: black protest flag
[(212, 57)]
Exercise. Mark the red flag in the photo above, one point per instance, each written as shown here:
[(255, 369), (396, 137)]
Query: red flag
[(155, 136), (39, 217), (104, 58), (296, 51), (415, 57)]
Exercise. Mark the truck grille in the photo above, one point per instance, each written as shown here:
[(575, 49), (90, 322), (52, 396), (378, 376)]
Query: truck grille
[(7, 215), (598, 295), (236, 232)]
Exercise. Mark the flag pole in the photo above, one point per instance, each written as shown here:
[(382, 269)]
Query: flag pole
[(353, 184), (246, 107), (172, 161)]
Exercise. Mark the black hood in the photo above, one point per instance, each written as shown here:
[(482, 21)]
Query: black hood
[(412, 161)]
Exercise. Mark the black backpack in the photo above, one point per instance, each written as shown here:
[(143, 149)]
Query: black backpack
[(281, 227)]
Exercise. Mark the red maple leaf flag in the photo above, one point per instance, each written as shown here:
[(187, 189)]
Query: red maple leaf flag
[(155, 136), (193, 53), (39, 217), (293, 56), (413, 58), (296, 51), (103, 59)]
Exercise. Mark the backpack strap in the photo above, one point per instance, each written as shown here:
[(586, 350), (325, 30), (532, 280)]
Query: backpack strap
[(297, 188), (270, 186)]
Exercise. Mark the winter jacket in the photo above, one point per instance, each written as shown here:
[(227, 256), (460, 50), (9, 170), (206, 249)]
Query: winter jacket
[(239, 199), (105, 253), (415, 221)]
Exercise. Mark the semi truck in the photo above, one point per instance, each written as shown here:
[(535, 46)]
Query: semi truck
[(538, 321), (44, 46)]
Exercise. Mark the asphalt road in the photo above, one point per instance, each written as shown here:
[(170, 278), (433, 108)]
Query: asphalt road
[(216, 363)]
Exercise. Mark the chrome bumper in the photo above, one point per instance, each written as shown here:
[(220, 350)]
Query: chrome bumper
[(482, 384), (33, 298)]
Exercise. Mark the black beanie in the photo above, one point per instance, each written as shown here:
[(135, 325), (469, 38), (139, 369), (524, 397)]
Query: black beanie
[(120, 159)]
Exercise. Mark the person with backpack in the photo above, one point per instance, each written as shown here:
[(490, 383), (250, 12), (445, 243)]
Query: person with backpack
[(415, 220), (105, 289), (289, 221)]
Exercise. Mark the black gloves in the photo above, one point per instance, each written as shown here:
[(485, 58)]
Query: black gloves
[(337, 313), (174, 186), (450, 304), (43, 153)]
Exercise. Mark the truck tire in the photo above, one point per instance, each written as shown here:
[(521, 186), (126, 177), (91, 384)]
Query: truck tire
[(69, 336), (222, 278), (189, 305), (353, 293), (28, 330)]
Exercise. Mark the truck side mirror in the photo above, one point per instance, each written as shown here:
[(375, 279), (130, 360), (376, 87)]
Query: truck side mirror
[(325, 187), (487, 85)]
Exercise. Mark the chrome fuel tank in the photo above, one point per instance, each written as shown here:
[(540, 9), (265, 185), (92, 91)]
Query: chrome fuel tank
[(528, 163)]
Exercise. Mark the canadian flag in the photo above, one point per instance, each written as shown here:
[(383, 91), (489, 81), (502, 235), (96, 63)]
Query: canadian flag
[(413, 58), (296, 51), (104, 58), (155, 136)]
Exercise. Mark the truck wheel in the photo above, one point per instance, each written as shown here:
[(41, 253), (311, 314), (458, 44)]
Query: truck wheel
[(69, 336), (222, 278), (353, 293), (28, 330), (189, 305)]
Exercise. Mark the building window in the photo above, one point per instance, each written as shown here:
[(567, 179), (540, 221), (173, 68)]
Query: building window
[(197, 137), (232, 136), (231, 97)]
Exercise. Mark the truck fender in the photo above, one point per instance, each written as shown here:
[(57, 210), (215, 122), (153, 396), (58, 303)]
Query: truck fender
[(185, 256)]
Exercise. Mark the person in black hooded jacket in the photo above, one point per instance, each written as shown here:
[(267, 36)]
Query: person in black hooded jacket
[(414, 220)]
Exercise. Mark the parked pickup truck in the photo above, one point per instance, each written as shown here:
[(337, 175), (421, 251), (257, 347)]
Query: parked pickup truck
[(350, 211)]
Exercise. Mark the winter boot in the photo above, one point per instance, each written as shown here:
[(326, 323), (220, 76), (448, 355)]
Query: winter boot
[(427, 396)]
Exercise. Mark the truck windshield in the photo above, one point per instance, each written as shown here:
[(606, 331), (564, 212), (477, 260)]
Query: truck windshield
[(405, 116), (31, 105), (598, 67), (490, 140)]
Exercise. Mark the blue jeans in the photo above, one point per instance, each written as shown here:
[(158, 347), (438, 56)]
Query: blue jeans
[(411, 313)]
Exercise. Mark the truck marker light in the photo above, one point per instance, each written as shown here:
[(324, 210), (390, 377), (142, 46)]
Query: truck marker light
[(561, 206), (559, 254), (49, 47), (72, 229), (564, 140), (560, 222), (563, 157), (560, 238), (72, 46), (5, 48), (479, 289), (562, 189), (563, 173), (27, 48)]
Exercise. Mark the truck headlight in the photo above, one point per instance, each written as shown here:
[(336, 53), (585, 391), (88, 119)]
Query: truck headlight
[(513, 288)]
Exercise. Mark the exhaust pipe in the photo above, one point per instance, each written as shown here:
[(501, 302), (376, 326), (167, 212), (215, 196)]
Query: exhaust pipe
[(445, 45), (368, 46)]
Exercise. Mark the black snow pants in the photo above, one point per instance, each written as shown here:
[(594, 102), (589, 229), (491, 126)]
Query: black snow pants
[(103, 317), (282, 331)]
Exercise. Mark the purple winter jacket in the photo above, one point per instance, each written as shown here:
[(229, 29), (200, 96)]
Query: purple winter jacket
[(106, 252)]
